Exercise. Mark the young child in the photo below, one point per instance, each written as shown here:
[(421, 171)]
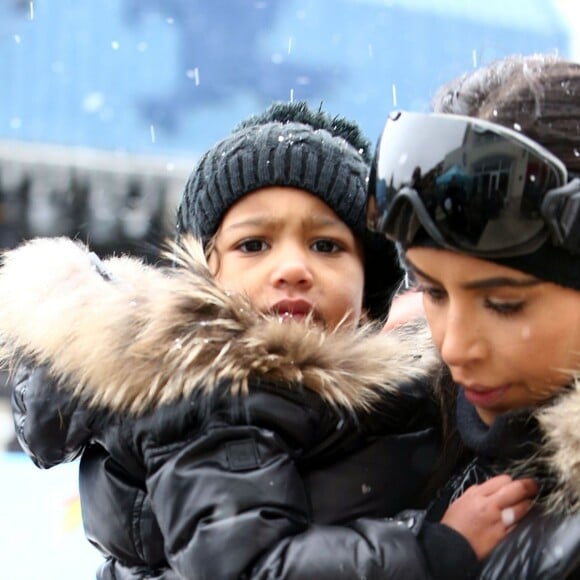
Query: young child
[(501, 287), (239, 418)]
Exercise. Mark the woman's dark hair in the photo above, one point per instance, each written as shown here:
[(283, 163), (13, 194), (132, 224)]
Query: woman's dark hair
[(454, 453), (538, 95)]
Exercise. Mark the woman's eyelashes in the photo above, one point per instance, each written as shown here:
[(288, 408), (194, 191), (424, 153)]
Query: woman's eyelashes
[(505, 307), (433, 293), (437, 295)]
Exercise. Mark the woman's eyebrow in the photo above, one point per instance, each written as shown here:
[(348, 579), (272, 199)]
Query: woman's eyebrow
[(494, 282), (502, 281)]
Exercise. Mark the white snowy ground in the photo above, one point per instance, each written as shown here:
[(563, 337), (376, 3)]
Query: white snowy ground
[(41, 535)]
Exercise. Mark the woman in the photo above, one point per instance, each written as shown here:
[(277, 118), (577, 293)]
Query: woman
[(501, 286)]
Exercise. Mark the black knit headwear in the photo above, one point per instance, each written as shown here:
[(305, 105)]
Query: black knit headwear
[(538, 93), (290, 145), (548, 263)]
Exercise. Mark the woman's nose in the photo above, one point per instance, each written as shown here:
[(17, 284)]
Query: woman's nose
[(462, 342)]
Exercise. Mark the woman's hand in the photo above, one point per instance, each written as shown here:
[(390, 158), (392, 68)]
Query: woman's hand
[(486, 513)]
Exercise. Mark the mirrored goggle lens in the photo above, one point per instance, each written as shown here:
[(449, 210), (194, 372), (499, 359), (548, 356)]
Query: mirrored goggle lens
[(479, 185)]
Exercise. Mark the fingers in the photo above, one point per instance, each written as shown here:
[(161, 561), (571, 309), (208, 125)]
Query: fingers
[(506, 489), (515, 491), (494, 484), (486, 513), (511, 498), (511, 515)]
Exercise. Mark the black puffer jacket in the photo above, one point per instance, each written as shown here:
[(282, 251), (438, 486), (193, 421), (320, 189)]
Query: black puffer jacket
[(542, 443), (324, 472), (216, 443)]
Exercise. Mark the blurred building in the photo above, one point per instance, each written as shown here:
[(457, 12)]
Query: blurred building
[(116, 202)]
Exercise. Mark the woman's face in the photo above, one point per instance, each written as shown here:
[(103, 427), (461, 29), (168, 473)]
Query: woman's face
[(291, 255), (510, 340)]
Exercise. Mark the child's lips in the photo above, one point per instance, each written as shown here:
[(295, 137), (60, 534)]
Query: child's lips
[(293, 309)]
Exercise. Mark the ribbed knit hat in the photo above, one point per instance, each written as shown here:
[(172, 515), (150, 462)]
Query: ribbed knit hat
[(547, 263), (291, 145)]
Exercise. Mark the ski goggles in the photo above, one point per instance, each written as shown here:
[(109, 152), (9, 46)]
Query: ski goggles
[(472, 185)]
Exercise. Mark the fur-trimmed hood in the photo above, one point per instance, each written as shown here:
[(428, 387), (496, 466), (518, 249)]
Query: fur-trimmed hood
[(131, 336), (561, 448)]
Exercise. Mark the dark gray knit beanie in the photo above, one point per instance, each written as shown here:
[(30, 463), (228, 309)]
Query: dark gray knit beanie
[(291, 145)]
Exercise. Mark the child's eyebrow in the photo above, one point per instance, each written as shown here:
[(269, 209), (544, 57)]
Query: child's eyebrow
[(322, 220), (254, 221), (270, 221)]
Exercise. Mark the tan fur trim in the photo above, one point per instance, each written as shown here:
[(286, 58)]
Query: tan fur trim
[(153, 335), (559, 422)]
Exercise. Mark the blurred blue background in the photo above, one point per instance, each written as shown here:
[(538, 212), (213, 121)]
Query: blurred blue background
[(105, 106), (173, 76)]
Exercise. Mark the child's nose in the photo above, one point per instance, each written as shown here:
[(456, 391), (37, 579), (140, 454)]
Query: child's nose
[(293, 270)]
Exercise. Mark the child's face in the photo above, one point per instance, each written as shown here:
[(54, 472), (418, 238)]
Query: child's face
[(507, 338), (291, 255)]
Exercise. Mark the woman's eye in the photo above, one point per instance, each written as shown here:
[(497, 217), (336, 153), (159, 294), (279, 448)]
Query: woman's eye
[(432, 292), (504, 308), (326, 246), (252, 246)]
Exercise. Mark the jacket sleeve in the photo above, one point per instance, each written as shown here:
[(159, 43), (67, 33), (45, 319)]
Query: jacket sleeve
[(51, 426), (542, 546), (231, 503)]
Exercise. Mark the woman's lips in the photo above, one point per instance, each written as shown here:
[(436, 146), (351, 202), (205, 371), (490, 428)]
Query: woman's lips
[(484, 396)]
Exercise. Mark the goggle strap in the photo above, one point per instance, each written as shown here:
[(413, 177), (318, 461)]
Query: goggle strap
[(410, 197), (561, 210)]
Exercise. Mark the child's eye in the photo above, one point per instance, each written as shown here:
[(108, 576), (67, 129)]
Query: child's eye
[(326, 246), (505, 308), (252, 245)]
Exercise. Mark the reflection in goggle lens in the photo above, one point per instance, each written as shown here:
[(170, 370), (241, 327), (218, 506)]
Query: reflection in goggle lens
[(470, 184)]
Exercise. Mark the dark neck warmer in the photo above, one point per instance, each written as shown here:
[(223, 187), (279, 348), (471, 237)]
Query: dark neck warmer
[(512, 436), (501, 448)]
